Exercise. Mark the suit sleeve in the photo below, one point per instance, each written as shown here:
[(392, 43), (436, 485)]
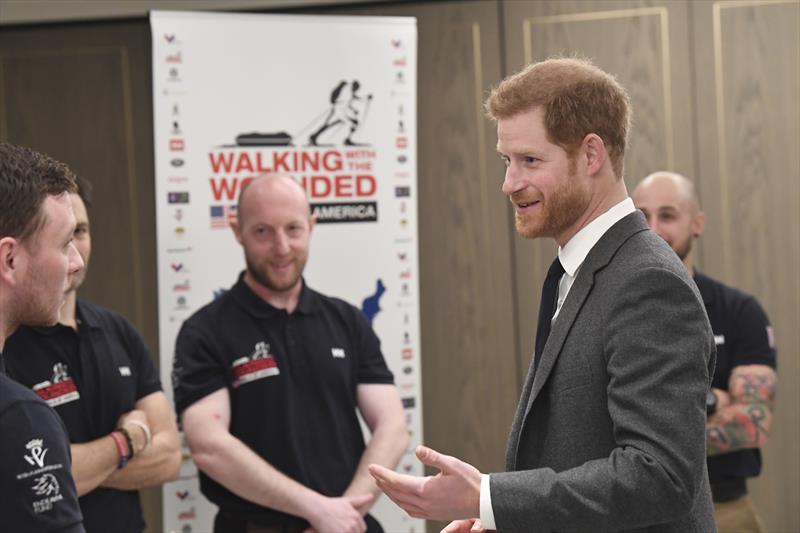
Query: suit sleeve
[(656, 343)]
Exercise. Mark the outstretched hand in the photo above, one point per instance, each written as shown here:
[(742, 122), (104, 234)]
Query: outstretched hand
[(454, 493)]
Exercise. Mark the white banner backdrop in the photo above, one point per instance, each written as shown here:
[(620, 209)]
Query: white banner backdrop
[(329, 100)]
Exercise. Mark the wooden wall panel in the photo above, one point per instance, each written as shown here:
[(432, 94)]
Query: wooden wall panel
[(470, 379), (645, 45), (747, 69), (468, 343), (82, 94)]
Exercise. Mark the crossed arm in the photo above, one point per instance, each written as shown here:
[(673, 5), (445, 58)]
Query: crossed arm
[(744, 413), (239, 469), (94, 463)]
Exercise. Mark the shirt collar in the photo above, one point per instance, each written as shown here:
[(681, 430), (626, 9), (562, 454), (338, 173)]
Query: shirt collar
[(578, 247), (307, 303)]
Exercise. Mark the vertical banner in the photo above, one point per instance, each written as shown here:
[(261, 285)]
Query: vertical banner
[(330, 101)]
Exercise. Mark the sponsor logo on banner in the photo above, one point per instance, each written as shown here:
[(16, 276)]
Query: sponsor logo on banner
[(177, 145), (178, 267), (408, 353), (258, 365), (177, 162), (188, 514), (402, 191), (181, 287), (59, 389), (222, 216), (178, 197), (179, 250), (409, 403), (174, 58)]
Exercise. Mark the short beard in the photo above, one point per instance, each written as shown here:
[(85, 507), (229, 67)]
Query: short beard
[(263, 278), (562, 209)]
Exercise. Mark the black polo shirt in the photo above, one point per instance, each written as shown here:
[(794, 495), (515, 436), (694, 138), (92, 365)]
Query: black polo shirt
[(90, 377), (292, 380), (743, 336), (37, 492)]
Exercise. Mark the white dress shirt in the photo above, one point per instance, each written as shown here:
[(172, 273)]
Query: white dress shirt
[(571, 256)]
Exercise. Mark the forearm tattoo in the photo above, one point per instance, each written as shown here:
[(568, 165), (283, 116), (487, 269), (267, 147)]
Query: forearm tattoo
[(746, 422)]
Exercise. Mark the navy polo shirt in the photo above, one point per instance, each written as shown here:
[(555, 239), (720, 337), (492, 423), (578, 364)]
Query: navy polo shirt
[(743, 336), (292, 380), (37, 492), (90, 377)]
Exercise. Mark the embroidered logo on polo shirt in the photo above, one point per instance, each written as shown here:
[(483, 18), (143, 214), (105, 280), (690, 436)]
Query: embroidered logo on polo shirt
[(37, 452), (60, 389), (338, 353), (125, 371), (719, 339), (259, 364)]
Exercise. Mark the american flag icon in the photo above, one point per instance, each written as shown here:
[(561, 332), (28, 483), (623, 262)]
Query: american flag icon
[(222, 215)]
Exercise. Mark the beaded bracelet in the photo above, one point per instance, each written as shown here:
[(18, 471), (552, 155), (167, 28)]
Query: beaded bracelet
[(119, 440)]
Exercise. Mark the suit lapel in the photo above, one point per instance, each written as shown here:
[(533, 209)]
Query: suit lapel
[(599, 256)]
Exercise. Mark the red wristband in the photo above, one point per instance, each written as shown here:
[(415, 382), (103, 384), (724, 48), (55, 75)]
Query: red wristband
[(122, 446)]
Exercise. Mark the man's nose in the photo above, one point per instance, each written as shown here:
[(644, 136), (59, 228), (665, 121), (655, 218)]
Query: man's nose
[(511, 182), (75, 260)]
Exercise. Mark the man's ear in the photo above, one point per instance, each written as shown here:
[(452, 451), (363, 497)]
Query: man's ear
[(9, 260), (596, 155), (698, 224)]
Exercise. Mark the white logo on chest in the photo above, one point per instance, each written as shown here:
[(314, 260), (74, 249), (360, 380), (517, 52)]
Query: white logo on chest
[(125, 371), (337, 353)]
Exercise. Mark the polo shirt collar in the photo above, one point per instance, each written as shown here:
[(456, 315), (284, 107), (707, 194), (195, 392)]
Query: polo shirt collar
[(704, 286), (308, 302), (578, 247)]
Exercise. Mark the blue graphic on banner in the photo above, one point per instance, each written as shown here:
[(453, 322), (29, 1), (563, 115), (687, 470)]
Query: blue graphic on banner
[(371, 305)]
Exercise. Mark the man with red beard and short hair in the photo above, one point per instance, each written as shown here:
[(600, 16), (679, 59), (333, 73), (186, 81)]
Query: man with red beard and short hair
[(609, 433), (268, 378)]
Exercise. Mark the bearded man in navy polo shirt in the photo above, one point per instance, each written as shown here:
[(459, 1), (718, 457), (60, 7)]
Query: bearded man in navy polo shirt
[(742, 399), (267, 381), (37, 259)]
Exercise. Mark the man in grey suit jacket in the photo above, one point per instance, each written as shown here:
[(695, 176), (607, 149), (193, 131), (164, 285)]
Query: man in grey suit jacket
[(609, 434)]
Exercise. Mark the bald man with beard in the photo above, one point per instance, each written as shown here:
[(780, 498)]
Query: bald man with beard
[(741, 403), (268, 379)]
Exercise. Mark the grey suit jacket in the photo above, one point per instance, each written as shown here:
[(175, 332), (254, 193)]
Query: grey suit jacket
[(609, 434)]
